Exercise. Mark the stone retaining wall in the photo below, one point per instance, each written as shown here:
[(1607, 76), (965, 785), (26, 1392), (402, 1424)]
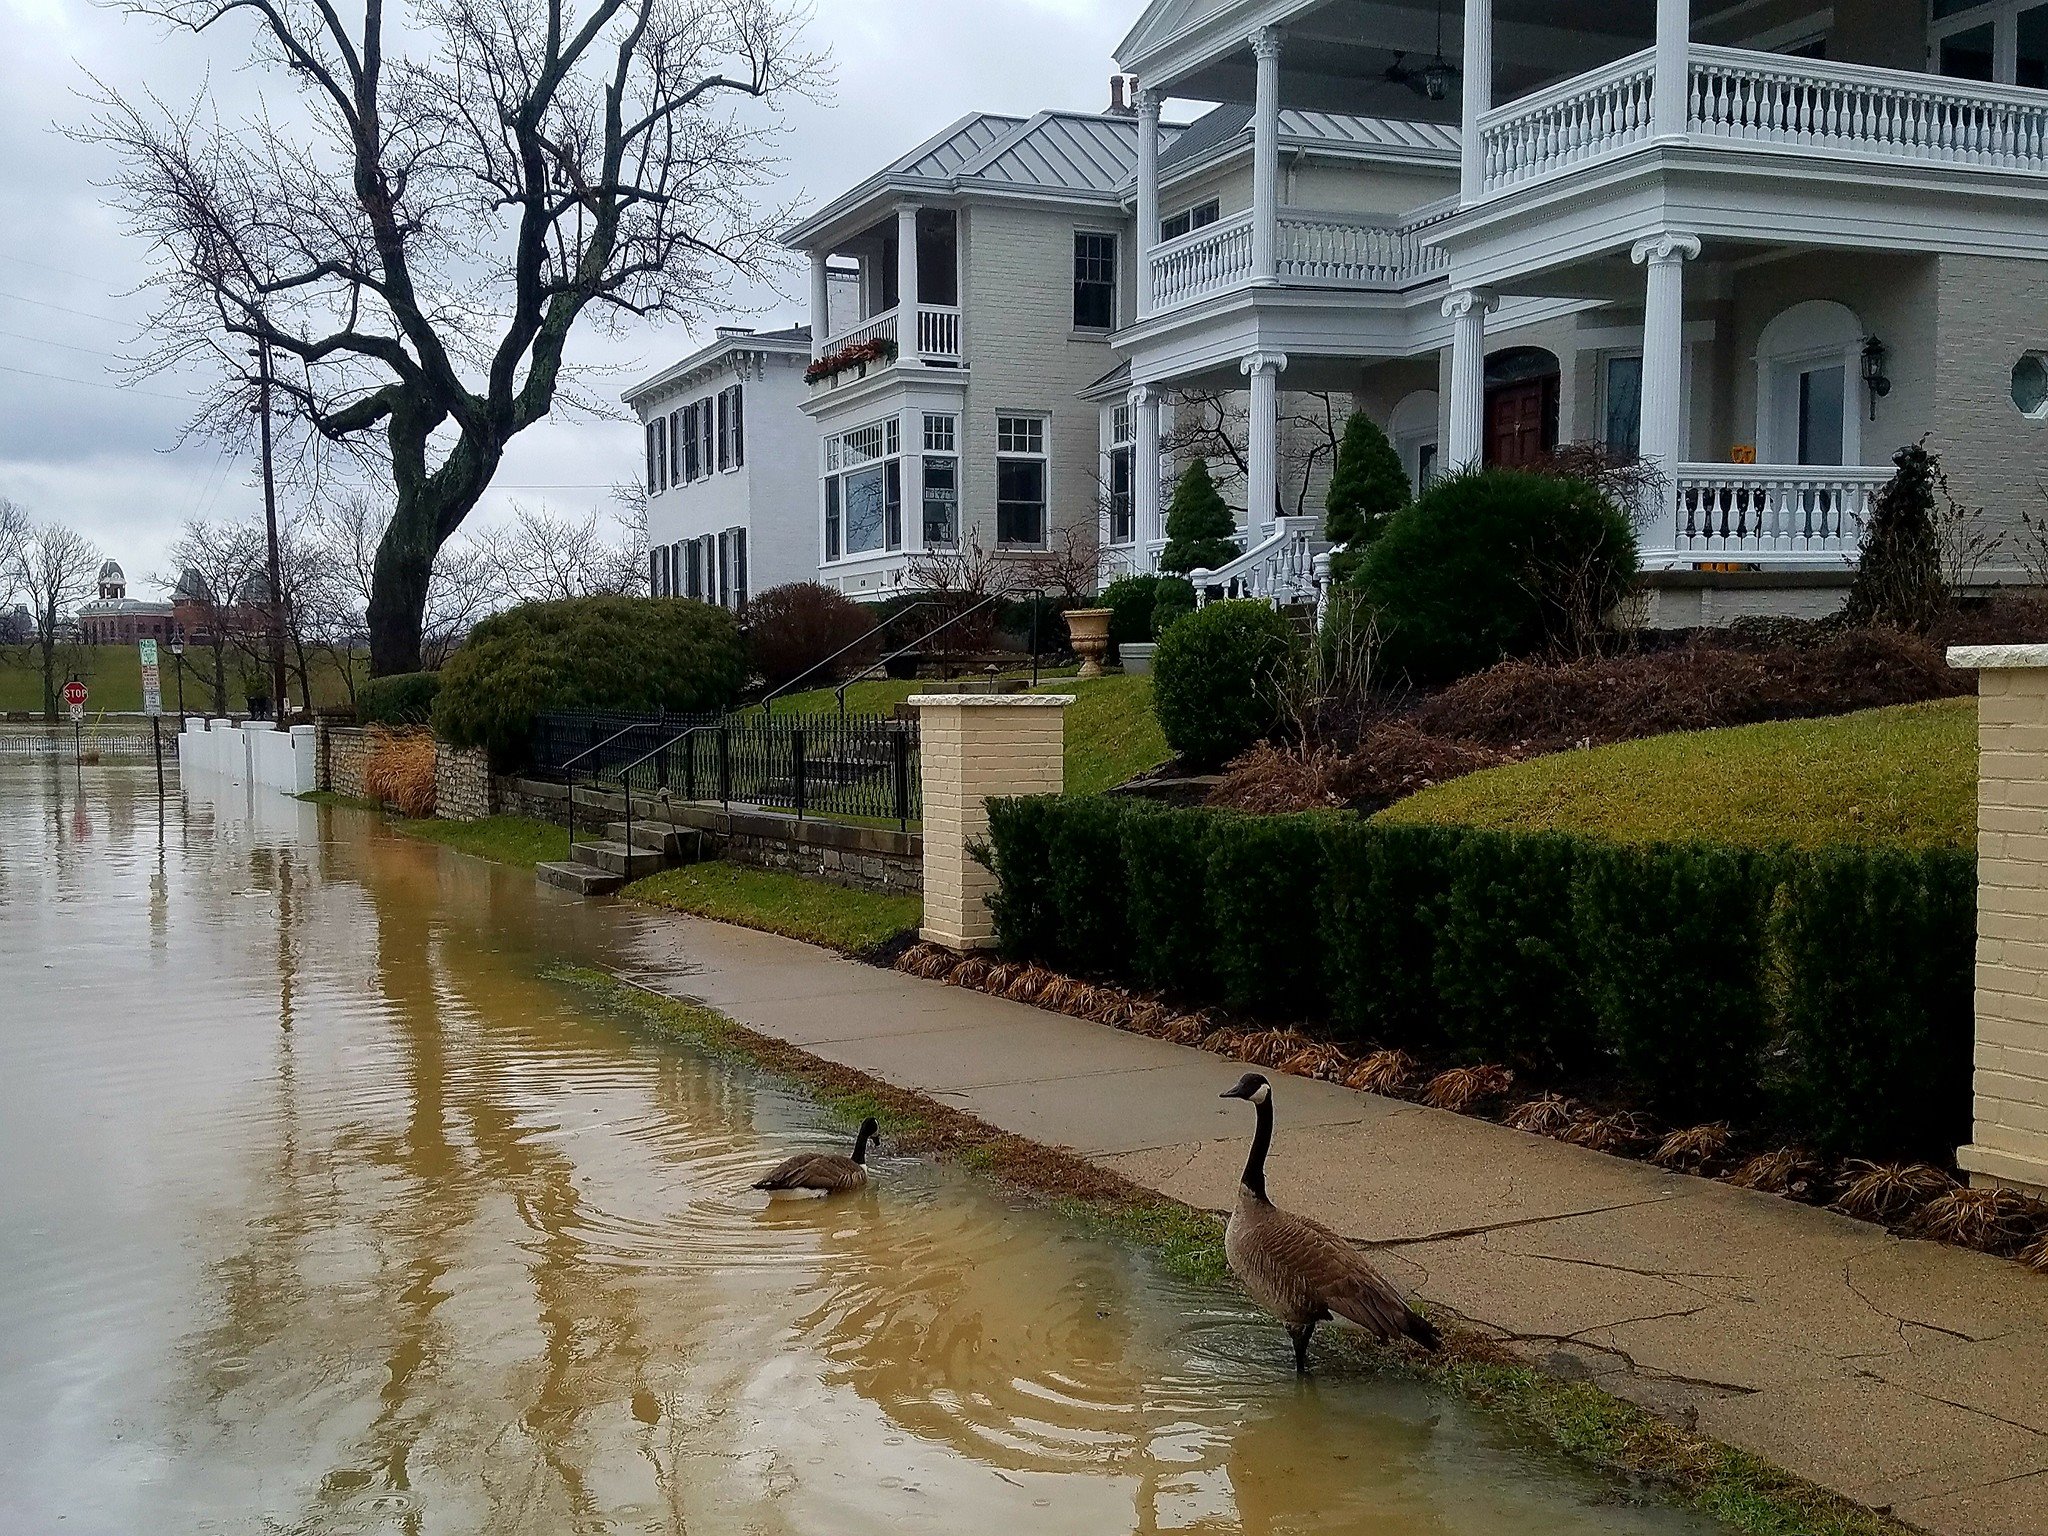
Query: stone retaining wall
[(463, 787), (344, 754)]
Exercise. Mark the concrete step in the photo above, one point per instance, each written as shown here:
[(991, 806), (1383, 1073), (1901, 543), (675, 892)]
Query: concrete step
[(652, 836), (618, 859), (583, 879)]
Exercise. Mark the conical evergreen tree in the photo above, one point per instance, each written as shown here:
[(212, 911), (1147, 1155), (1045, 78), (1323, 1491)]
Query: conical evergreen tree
[(1199, 527), (1898, 580), (1367, 486)]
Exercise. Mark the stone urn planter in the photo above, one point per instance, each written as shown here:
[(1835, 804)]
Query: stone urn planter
[(1088, 628)]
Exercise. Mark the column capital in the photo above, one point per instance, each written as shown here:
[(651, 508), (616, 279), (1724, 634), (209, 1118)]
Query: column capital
[(1142, 394), (1263, 362), (1466, 300), (1147, 104), (1670, 246), (1266, 42)]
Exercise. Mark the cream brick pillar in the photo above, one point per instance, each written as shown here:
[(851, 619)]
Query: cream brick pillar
[(2009, 1145), (974, 747)]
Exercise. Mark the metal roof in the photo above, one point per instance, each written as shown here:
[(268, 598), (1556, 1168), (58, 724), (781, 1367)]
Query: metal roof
[(1333, 131), (965, 141)]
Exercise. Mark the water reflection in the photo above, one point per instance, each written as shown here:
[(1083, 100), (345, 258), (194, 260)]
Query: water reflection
[(325, 1213)]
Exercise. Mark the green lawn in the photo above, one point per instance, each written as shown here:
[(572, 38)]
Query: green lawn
[(1905, 775), (812, 910), (114, 674), (514, 840)]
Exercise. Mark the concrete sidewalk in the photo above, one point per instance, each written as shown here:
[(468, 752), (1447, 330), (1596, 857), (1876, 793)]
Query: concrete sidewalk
[(1902, 1374)]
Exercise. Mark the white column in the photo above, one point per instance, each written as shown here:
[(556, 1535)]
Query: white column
[(1669, 76), (1466, 311), (821, 304), (1262, 447), (1148, 194), (906, 280), (1145, 479), (1266, 156), (1661, 432), (1476, 94)]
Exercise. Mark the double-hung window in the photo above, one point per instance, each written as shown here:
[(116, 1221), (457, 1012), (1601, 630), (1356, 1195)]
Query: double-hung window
[(705, 446), (1621, 403), (1094, 281), (941, 480), (693, 569), (864, 490), (1021, 475), (675, 448), (1123, 480), (724, 431), (1188, 220), (739, 425), (686, 443), (654, 451)]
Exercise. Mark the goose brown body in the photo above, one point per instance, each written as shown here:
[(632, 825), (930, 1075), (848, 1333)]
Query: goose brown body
[(829, 1173), (1297, 1268)]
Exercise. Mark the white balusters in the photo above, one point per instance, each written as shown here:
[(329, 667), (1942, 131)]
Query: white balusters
[(1773, 509), (1587, 117), (1202, 263)]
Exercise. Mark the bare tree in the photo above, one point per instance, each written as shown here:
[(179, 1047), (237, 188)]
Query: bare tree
[(1216, 426), (462, 189), (14, 537), (541, 558), (214, 562), (1070, 565), (57, 566), (464, 586)]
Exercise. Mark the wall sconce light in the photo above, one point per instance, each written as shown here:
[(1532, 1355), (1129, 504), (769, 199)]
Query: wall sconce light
[(1874, 377)]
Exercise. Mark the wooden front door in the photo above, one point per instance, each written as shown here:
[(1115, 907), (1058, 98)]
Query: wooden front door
[(1521, 422)]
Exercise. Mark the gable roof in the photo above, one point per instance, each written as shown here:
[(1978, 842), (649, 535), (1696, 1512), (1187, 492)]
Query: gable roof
[(945, 152)]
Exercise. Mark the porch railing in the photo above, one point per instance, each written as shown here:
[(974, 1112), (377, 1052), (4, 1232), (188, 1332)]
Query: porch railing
[(1208, 261), (1743, 510), (1279, 567), (938, 332), (878, 328), (1355, 250), (1766, 100)]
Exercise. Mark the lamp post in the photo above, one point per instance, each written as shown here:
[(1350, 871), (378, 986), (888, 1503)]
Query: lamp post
[(178, 665)]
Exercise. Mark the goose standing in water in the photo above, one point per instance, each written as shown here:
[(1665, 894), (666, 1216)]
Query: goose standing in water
[(1299, 1270), (829, 1173)]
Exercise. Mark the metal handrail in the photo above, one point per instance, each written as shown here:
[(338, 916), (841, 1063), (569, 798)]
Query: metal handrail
[(626, 779), (993, 597), (768, 699), (569, 770)]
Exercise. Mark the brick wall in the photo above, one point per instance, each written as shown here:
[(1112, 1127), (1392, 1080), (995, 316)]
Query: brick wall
[(463, 788), (2010, 1143)]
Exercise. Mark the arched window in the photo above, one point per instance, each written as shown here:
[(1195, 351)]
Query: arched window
[(1413, 428), (1808, 361)]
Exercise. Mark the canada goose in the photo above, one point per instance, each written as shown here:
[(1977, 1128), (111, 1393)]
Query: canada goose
[(1299, 1270), (827, 1172)]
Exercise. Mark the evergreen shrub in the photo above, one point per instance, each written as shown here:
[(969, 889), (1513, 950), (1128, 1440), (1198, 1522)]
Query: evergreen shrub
[(1221, 677), (403, 698), (1130, 600), (1201, 533), (1166, 858), (1172, 600), (1367, 485), (1264, 892), (1507, 961)]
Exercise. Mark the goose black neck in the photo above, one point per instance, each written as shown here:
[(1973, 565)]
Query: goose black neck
[(1262, 1139), (860, 1145)]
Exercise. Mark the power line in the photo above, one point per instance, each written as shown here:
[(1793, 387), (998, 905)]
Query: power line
[(44, 341), (60, 378), (44, 266), (83, 314)]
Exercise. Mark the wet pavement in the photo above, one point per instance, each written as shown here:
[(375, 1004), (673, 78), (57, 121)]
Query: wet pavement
[(322, 1210)]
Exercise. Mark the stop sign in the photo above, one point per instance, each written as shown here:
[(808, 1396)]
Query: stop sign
[(75, 694)]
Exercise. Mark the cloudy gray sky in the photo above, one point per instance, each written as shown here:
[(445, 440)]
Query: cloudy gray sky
[(78, 447)]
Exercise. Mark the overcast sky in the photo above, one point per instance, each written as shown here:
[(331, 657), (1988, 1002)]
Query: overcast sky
[(77, 447)]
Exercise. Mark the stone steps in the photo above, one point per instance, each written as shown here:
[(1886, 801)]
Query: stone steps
[(619, 859), (581, 879)]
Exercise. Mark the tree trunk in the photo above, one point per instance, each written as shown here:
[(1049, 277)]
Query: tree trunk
[(50, 680), (397, 615)]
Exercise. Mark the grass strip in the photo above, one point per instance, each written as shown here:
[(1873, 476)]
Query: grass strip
[(1613, 1437), (816, 911), (515, 840)]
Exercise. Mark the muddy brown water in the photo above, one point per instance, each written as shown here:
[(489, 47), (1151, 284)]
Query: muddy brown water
[(322, 1211)]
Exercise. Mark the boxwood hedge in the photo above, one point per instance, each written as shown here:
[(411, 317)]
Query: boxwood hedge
[(1822, 995)]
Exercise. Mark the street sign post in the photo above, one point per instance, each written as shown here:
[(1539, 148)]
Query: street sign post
[(75, 695), (152, 681)]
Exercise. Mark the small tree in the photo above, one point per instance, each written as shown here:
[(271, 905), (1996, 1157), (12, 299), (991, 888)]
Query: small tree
[(1199, 526), (56, 570), (1367, 487), (1898, 580)]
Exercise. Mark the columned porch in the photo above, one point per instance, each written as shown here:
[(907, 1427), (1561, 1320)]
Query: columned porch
[(905, 274)]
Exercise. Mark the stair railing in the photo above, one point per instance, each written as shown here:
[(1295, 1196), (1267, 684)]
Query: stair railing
[(1037, 596), (626, 780), (768, 699), (569, 768)]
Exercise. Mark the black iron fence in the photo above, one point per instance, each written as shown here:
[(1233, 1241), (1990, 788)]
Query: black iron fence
[(852, 766)]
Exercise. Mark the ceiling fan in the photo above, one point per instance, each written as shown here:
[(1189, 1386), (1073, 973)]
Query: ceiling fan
[(1435, 80)]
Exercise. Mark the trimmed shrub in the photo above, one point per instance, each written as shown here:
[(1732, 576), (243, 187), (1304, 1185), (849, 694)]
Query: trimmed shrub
[(1383, 913), (1166, 860), (1367, 484), (1507, 962), (1200, 531), (633, 654), (1129, 600), (1491, 564), (1872, 971), (1089, 894), (1172, 600), (1265, 887), (403, 698), (798, 626), (1898, 572), (1220, 679), (1019, 854), (1673, 945)]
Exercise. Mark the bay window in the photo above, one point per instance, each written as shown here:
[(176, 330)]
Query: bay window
[(1123, 478), (1021, 476), (864, 490), (941, 480)]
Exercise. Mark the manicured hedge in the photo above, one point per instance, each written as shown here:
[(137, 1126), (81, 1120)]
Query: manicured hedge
[(1822, 995), (403, 698)]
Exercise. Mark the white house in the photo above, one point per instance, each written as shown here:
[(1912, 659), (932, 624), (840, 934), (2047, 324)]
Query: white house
[(992, 265), (1764, 245), (729, 467)]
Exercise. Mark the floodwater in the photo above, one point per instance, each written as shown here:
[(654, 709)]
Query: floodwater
[(321, 1210)]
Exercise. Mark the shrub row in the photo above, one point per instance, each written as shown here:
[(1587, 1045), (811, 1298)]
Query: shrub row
[(1823, 995)]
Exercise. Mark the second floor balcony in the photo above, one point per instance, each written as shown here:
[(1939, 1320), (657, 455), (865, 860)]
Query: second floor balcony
[(881, 340), (1311, 248)]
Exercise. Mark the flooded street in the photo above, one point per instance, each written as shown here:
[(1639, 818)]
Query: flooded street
[(322, 1210)]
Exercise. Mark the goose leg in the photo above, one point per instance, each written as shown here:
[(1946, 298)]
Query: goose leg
[(1301, 1336)]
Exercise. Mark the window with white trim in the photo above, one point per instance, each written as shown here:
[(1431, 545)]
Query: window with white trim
[(654, 445), (1094, 280), (691, 461), (724, 431), (1621, 403), (1123, 478), (739, 426), (864, 490), (693, 569), (941, 480), (1022, 475), (675, 447), (705, 447), (1188, 220)]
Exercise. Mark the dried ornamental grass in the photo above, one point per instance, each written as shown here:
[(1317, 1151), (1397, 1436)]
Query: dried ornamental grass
[(400, 771), (1789, 1171), (1695, 1149), (1319, 1061), (1464, 1089), (1224, 1041), (1187, 1029), (1889, 1192), (1622, 1132), (1990, 1220), (1151, 1018), (2035, 1254), (929, 961), (1550, 1115), (970, 972), (1270, 1047), (1387, 1072), (1063, 994)]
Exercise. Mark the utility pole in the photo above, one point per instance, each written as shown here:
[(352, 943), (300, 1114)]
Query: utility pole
[(277, 684)]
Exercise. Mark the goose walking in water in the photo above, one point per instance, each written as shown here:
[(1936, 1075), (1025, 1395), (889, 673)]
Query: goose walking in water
[(1298, 1269), (829, 1173)]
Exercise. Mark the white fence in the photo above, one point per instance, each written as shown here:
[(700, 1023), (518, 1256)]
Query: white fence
[(1774, 509), (257, 753)]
